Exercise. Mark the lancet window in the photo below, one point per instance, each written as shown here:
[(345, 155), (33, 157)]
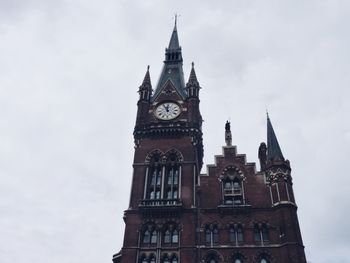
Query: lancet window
[(236, 234), (149, 235), (154, 185), (163, 178), (171, 235), (261, 233), (211, 234), (172, 178)]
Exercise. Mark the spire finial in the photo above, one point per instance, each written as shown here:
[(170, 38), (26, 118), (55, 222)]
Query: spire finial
[(147, 67), (192, 64)]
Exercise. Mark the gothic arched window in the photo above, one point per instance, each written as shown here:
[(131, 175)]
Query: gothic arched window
[(169, 259), (171, 235), (154, 237), (152, 259), (172, 174), (211, 235), (149, 234), (261, 233), (232, 188), (154, 178), (236, 234), (146, 237)]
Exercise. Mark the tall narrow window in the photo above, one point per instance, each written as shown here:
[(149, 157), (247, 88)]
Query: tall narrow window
[(146, 237), (232, 188), (154, 183), (212, 235), (171, 235), (172, 181), (154, 237), (236, 234), (261, 233), (167, 236)]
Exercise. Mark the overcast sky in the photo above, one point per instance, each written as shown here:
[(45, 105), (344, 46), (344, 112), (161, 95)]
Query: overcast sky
[(69, 72)]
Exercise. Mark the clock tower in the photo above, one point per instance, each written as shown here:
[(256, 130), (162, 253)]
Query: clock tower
[(232, 214)]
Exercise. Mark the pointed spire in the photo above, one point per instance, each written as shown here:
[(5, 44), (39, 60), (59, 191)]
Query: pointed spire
[(172, 71), (174, 40), (273, 149), (193, 78), (147, 78), (145, 90)]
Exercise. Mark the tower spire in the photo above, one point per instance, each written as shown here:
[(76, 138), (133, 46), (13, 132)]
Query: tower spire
[(147, 78), (145, 90), (174, 40), (172, 69), (273, 148), (193, 76)]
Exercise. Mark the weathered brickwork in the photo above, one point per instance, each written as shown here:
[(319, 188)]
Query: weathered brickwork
[(235, 213)]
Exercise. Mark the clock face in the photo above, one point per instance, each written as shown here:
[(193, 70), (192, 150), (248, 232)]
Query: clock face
[(167, 111)]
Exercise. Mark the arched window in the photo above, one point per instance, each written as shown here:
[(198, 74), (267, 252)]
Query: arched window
[(149, 234), (263, 260), (154, 237), (172, 178), (152, 259), (154, 184), (236, 234), (169, 259), (232, 188), (166, 259), (237, 258), (146, 237), (174, 259), (167, 236), (261, 233), (171, 235), (211, 235)]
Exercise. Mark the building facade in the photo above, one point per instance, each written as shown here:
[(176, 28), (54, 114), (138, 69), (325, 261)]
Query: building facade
[(232, 214)]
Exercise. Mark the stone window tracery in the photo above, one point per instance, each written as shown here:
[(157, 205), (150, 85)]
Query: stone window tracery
[(236, 234), (261, 233), (211, 234), (232, 187)]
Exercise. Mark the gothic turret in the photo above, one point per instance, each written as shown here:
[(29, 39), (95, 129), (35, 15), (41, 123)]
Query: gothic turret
[(192, 85), (145, 90), (274, 152), (145, 93), (278, 171)]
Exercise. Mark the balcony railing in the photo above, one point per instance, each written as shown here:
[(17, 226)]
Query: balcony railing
[(160, 207), (160, 202)]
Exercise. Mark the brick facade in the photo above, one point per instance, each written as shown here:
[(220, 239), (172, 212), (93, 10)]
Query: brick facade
[(234, 213)]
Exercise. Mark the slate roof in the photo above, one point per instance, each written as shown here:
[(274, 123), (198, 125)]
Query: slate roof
[(172, 68), (273, 148)]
